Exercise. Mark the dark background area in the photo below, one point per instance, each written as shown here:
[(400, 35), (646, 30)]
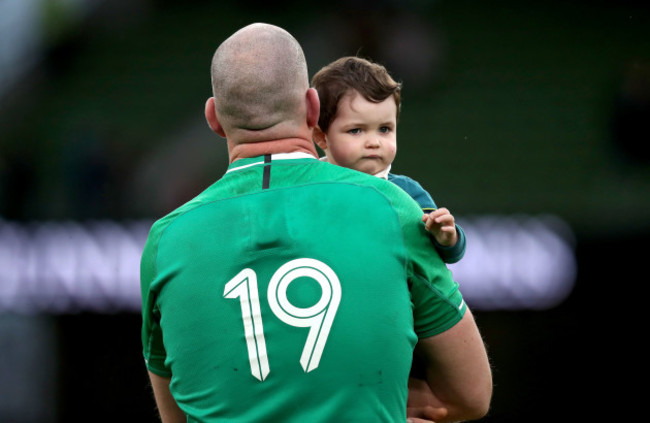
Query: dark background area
[(508, 108)]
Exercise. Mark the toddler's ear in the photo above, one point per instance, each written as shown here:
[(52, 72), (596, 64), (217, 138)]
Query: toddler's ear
[(320, 138)]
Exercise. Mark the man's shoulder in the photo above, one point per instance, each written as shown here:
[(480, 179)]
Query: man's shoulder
[(399, 198), (354, 176), (163, 222)]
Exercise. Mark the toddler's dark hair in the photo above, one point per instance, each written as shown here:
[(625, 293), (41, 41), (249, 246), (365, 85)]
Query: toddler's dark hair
[(335, 80)]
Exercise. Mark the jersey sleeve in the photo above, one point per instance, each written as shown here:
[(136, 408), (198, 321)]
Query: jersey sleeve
[(437, 301), (153, 348)]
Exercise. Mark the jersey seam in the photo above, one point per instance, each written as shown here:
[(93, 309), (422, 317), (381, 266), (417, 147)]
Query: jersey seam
[(460, 310)]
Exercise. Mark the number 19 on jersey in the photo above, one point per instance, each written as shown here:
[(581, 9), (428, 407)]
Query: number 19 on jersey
[(318, 318)]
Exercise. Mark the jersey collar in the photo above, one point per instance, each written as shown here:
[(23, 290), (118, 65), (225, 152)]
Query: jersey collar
[(256, 161)]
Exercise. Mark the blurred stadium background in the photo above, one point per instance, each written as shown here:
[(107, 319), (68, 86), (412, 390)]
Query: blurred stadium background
[(529, 120)]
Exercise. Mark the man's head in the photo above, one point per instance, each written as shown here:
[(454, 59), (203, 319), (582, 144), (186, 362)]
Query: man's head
[(260, 86), (348, 74)]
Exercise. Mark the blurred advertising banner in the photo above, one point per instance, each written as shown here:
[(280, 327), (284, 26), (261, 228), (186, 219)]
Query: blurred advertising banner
[(516, 262)]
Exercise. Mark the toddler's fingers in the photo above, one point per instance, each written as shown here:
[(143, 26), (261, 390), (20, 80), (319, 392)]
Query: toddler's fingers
[(441, 214), (440, 211), (446, 220)]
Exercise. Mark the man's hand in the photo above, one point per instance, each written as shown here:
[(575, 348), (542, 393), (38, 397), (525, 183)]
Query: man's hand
[(422, 405), (426, 414), (416, 420), (442, 225)]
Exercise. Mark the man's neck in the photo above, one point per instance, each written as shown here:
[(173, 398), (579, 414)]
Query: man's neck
[(287, 145)]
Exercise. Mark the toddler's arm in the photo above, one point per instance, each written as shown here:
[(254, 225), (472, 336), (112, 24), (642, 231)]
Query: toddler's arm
[(447, 236)]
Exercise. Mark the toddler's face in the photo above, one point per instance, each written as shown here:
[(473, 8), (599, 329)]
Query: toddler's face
[(363, 135)]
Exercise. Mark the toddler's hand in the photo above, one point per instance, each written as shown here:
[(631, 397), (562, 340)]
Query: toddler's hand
[(441, 224)]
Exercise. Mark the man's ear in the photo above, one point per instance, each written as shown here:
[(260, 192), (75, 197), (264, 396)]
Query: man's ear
[(320, 138), (313, 107), (211, 117)]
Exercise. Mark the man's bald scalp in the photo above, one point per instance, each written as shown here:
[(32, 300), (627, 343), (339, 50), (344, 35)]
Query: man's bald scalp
[(259, 78)]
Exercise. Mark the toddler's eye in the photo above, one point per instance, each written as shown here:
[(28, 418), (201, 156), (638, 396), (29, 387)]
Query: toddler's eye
[(354, 131), (384, 129)]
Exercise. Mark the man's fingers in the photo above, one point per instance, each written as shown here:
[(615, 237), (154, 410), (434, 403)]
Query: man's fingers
[(427, 412)]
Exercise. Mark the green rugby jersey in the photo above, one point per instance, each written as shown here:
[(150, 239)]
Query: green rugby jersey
[(292, 290)]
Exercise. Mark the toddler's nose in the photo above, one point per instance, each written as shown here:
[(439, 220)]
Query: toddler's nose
[(373, 142)]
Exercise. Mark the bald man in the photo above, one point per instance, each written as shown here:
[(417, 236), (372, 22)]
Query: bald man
[(295, 290)]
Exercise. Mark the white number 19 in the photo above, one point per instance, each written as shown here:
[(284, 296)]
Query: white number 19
[(318, 318)]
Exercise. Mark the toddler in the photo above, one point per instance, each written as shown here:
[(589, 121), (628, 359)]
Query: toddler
[(360, 105)]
